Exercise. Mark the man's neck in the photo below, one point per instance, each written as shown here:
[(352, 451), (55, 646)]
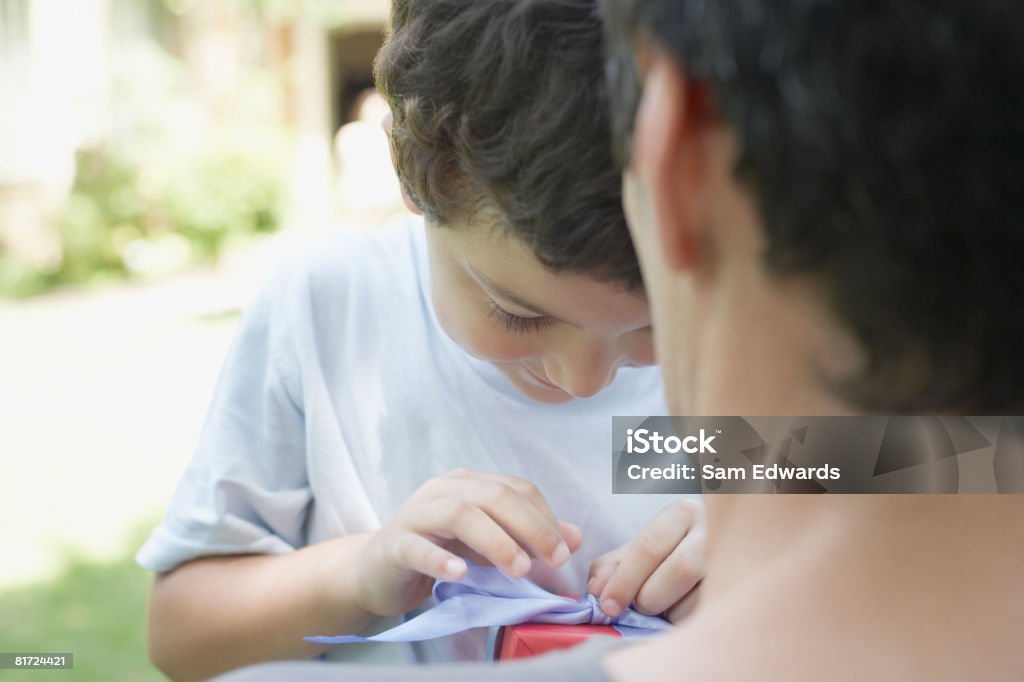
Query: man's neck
[(963, 534), (865, 587), (921, 586)]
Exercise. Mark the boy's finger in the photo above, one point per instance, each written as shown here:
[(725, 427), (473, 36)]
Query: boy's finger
[(572, 535), (464, 521), (423, 556), (685, 606), (601, 569), (600, 576), (460, 549), (532, 529), (520, 485), (676, 577), (517, 506), (642, 557)]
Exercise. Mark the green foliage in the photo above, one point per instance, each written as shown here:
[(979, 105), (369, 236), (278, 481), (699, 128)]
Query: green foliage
[(132, 216), (18, 279), (95, 610), (103, 211), (173, 186), (223, 192)]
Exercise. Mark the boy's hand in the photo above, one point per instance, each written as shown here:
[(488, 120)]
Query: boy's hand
[(659, 570), (487, 518)]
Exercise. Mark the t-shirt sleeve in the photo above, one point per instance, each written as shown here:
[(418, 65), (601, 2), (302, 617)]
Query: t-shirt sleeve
[(246, 490)]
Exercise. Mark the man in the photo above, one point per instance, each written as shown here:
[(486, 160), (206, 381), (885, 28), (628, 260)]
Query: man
[(827, 201)]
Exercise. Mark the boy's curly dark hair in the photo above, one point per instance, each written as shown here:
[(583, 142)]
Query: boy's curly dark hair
[(501, 107)]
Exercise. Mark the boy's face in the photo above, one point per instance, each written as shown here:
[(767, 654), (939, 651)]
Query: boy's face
[(555, 336)]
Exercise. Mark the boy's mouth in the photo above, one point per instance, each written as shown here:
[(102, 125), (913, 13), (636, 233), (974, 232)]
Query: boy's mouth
[(543, 382)]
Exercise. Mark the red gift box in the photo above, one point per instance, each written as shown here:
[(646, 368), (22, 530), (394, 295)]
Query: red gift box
[(534, 639)]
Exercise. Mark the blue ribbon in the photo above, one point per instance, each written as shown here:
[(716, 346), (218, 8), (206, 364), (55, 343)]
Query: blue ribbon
[(485, 597)]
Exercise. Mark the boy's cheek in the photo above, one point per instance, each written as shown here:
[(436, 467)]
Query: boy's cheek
[(493, 346), (641, 351), (479, 334)]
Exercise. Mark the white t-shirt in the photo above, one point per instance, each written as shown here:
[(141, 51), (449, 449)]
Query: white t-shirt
[(341, 395)]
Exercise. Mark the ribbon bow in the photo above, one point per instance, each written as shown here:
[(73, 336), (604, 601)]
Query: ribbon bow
[(485, 597)]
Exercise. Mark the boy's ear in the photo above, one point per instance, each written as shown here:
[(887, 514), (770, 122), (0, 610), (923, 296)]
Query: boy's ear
[(670, 153), (409, 204)]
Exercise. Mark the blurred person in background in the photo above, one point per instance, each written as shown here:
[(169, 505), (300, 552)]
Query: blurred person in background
[(366, 177)]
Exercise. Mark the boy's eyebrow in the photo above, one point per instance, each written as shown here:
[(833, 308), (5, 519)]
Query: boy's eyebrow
[(508, 295)]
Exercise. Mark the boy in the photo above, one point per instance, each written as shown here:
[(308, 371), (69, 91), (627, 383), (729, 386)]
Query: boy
[(499, 338)]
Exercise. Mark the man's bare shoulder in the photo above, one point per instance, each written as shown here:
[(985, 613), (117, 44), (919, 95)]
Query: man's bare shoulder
[(809, 638), (706, 649)]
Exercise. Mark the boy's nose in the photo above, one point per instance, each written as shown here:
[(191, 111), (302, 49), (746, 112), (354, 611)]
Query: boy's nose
[(583, 373)]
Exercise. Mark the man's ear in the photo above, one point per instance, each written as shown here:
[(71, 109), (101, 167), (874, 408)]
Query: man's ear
[(670, 155), (385, 123)]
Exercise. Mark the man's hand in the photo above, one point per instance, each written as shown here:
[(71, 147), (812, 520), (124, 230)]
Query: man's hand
[(659, 570), (488, 518)]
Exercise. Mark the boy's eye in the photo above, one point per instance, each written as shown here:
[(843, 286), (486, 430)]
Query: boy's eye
[(517, 324)]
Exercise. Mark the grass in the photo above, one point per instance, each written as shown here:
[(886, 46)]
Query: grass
[(95, 610)]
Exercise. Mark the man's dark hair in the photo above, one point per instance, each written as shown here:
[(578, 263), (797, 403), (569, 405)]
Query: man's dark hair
[(502, 105), (884, 143)]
